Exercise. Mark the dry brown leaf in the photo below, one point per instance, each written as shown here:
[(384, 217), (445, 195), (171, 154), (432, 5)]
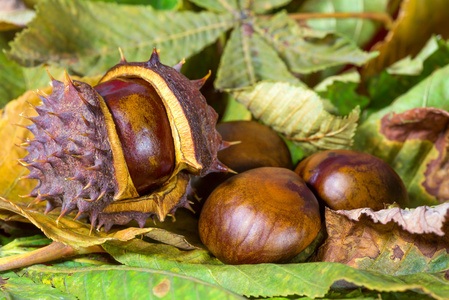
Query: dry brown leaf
[(67, 231), (182, 234), (421, 220), (417, 21), (424, 123), (377, 241), (415, 143)]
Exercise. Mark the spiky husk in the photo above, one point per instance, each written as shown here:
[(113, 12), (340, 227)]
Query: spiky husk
[(75, 142), (70, 150)]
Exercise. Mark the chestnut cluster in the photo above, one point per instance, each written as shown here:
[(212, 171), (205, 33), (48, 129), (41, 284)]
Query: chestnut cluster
[(268, 213), (127, 148)]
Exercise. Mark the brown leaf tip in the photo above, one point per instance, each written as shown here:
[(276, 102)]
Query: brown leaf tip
[(424, 123), (420, 220), (398, 254)]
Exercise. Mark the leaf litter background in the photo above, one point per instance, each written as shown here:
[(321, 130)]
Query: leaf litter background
[(334, 82)]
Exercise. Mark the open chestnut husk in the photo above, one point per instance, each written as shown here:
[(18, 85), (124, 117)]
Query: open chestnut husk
[(124, 149), (347, 179), (260, 216)]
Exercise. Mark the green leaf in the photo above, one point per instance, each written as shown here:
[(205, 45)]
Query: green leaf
[(268, 280), (341, 91), (157, 4), (414, 143), (88, 44), (160, 252), (415, 65), (121, 282), (358, 30), (411, 141), (262, 6), (298, 114), (165, 4), (24, 244), (431, 92), (306, 54), (296, 152), (16, 80), (401, 77), (247, 59), (18, 288), (230, 6), (235, 111), (238, 6)]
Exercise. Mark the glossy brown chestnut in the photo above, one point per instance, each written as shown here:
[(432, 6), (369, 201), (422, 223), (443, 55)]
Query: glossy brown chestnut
[(259, 146), (259, 216), (146, 138), (346, 179)]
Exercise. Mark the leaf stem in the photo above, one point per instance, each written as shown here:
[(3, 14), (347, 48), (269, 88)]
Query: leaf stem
[(380, 17), (54, 251)]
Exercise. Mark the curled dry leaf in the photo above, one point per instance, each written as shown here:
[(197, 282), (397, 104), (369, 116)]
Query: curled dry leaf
[(67, 231), (415, 143), (416, 22), (383, 241), (424, 124), (420, 220), (182, 234)]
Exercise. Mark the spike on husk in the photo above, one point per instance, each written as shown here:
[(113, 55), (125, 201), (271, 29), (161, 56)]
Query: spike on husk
[(76, 139), (200, 82), (122, 56), (179, 65)]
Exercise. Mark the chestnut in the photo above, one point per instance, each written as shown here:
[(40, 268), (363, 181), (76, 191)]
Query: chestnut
[(259, 146), (146, 139), (347, 179), (263, 215)]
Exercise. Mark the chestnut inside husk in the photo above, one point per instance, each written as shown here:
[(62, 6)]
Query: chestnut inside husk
[(125, 149), (146, 138)]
